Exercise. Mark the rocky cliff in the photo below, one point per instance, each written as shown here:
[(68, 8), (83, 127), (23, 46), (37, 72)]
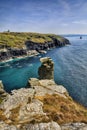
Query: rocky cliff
[(42, 105), (22, 44)]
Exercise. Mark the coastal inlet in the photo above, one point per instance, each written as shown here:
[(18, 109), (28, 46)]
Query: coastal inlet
[(70, 68)]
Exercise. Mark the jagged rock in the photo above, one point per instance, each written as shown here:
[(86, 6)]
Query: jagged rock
[(32, 112), (74, 126), (38, 126), (46, 86), (22, 107), (3, 93), (4, 126), (33, 82), (46, 70), (1, 85), (17, 98), (43, 126)]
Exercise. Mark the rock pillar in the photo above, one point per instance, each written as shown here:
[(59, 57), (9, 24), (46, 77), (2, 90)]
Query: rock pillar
[(46, 70)]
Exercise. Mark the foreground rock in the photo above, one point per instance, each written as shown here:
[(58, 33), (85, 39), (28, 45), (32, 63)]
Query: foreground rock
[(43, 107), (74, 126), (43, 87)]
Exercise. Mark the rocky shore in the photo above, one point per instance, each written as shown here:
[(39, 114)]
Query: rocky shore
[(42, 105), (16, 45)]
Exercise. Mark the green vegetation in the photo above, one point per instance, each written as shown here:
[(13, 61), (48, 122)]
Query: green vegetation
[(1, 100), (15, 39)]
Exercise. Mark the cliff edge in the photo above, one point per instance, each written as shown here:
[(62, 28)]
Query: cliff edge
[(14, 44), (42, 105)]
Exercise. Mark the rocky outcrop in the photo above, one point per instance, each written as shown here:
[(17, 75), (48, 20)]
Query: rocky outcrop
[(46, 69), (46, 86), (3, 93)]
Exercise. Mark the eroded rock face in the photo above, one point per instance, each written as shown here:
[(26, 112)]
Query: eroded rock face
[(18, 98), (46, 86), (3, 93), (46, 70)]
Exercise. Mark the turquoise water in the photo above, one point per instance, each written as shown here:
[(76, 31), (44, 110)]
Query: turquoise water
[(70, 69)]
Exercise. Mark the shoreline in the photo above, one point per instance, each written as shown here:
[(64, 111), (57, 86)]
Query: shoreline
[(18, 57), (22, 57)]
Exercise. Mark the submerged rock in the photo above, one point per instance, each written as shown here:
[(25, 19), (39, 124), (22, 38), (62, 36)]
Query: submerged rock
[(46, 70)]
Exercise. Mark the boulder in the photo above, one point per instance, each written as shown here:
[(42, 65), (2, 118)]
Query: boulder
[(46, 70)]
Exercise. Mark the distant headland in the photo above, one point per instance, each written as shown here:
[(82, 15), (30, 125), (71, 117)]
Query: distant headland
[(19, 44)]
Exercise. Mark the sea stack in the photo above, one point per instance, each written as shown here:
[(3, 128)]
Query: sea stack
[(3, 93), (46, 70)]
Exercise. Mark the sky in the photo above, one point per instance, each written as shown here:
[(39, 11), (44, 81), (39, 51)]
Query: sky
[(44, 16)]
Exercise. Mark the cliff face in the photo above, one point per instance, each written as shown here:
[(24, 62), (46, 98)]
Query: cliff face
[(19, 44), (43, 105)]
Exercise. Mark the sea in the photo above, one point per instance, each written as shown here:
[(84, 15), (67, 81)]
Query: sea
[(70, 68)]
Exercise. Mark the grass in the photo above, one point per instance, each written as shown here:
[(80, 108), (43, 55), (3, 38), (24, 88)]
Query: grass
[(63, 110), (15, 39)]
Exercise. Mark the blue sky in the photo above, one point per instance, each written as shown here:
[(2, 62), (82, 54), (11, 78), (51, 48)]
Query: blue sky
[(44, 16)]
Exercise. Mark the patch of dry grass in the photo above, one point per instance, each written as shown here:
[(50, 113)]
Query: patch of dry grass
[(63, 110)]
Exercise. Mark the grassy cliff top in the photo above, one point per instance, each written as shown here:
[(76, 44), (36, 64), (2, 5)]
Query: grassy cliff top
[(16, 39)]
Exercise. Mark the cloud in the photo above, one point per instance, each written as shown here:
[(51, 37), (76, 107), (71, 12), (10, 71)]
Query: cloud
[(84, 22), (44, 15)]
